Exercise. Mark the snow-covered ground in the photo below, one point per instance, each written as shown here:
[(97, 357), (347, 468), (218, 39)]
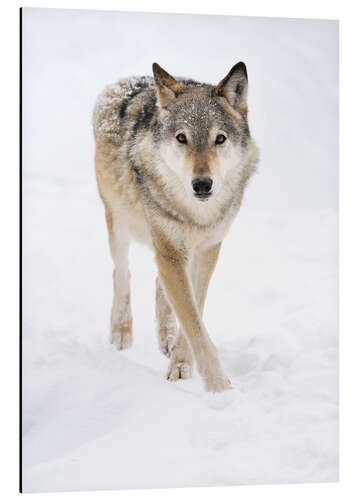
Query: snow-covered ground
[(94, 418)]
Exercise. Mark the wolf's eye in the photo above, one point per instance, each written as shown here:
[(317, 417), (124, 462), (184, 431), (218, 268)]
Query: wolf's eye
[(181, 138), (220, 139)]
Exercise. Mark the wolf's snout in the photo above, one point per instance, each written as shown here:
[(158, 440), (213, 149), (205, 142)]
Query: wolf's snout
[(202, 186)]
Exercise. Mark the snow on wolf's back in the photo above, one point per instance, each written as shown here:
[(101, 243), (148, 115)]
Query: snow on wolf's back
[(113, 97)]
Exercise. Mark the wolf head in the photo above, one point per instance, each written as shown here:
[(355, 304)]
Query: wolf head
[(203, 134)]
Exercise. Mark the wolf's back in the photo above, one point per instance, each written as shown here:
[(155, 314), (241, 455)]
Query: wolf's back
[(110, 111)]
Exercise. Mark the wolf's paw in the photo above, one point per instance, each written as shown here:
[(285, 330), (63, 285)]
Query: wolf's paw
[(122, 338), (218, 383), (179, 370), (166, 344), (181, 364), (181, 361)]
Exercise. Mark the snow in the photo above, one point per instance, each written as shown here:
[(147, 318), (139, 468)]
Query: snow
[(94, 418)]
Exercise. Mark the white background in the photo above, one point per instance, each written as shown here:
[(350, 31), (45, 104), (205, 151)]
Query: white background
[(306, 13)]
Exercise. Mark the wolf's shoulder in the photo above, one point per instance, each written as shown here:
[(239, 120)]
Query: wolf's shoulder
[(125, 88), (115, 98)]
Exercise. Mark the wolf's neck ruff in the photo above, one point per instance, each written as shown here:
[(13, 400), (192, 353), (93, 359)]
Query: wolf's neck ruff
[(160, 195)]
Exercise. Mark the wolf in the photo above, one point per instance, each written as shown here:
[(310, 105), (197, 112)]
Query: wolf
[(173, 157)]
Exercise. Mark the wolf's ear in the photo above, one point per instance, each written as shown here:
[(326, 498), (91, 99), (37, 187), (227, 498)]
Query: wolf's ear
[(166, 85), (234, 88)]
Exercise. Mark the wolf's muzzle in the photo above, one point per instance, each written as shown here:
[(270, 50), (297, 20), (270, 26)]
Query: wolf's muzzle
[(202, 187)]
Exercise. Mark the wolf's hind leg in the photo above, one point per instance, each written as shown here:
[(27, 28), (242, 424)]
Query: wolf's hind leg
[(166, 321), (121, 318)]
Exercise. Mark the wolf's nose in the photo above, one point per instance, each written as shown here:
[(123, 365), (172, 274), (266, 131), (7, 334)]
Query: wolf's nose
[(202, 186)]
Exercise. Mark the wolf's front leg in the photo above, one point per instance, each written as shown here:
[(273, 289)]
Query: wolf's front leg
[(121, 318), (200, 273), (173, 275), (166, 321)]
